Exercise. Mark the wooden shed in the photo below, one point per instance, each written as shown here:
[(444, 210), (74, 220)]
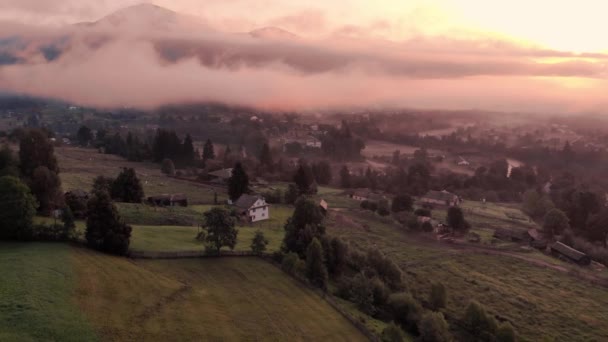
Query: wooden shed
[(567, 253), (514, 235)]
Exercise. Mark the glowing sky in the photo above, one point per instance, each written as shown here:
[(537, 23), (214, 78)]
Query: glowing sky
[(513, 55)]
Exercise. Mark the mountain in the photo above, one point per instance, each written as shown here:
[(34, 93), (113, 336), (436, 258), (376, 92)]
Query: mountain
[(148, 17), (273, 33)]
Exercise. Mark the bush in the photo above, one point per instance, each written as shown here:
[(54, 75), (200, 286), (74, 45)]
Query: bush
[(167, 167), (392, 333), (506, 333), (259, 242), (427, 227), (362, 294), (423, 212), (402, 203), (292, 264), (52, 232), (17, 209), (273, 197), (478, 323), (315, 265), (386, 269), (406, 310), (437, 297), (434, 328)]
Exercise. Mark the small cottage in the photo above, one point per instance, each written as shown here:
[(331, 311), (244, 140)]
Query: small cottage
[(514, 235), (253, 208)]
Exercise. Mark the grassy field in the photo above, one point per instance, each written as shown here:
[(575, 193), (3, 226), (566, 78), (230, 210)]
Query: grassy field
[(142, 214), (80, 166), (182, 238), (36, 291), (540, 302), (54, 292)]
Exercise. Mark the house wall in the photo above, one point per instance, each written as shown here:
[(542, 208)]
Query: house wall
[(260, 211)]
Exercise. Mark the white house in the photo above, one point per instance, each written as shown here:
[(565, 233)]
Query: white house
[(254, 208)]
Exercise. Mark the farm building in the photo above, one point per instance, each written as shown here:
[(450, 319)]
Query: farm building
[(324, 206), (220, 176), (538, 241), (169, 200), (565, 252), (514, 235), (254, 208), (440, 198), (365, 195)]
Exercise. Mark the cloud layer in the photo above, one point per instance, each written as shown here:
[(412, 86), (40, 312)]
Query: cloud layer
[(148, 56)]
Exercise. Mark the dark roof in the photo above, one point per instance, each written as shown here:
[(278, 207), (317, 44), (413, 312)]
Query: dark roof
[(512, 233), (223, 173), (568, 251), (439, 195), (246, 201)]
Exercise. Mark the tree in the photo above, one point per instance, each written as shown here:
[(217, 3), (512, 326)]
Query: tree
[(266, 156), (9, 165), (438, 297), (84, 136), (322, 172), (291, 196), (69, 227), (46, 186), (434, 328), (304, 179), (305, 224), (77, 204), (597, 227), (238, 183), (345, 177), (105, 230), (392, 333), (167, 167), (405, 309), (315, 265), (336, 256), (220, 229), (402, 203), (35, 149), (209, 151), (456, 220), (478, 322), (127, 187), (17, 209), (188, 153), (555, 223), (535, 204), (102, 184), (259, 242)]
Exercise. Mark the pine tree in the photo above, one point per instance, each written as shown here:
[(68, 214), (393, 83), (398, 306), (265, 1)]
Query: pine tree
[(266, 156), (105, 230), (188, 151), (315, 265), (238, 183), (345, 177), (208, 151), (127, 187)]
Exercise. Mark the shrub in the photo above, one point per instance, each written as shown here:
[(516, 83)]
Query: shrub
[(437, 297), (402, 203), (259, 242), (292, 263), (362, 294), (477, 321), (422, 212), (393, 333), (405, 309), (315, 265), (427, 227), (506, 333), (17, 209), (274, 197), (386, 269), (380, 292), (167, 167), (434, 328), (383, 211)]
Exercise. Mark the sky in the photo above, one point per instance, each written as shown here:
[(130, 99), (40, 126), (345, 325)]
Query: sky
[(517, 55)]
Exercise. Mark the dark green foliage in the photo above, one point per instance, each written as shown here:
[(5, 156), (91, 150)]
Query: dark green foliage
[(259, 242), (479, 323), (597, 227), (506, 333), (292, 264), (220, 229), (17, 209), (304, 179), (418, 179), (35, 149), (167, 167), (238, 183), (209, 151), (167, 145), (341, 144), (322, 172), (105, 230), (127, 187), (9, 165), (427, 227), (316, 271), (393, 333), (266, 156), (69, 226), (76, 204), (438, 297), (402, 203), (406, 310), (385, 268), (369, 205), (102, 184), (336, 255), (456, 221), (46, 186), (535, 204), (434, 328), (383, 207), (555, 222), (291, 196), (423, 212), (188, 155), (345, 177), (305, 224), (361, 293), (84, 136)]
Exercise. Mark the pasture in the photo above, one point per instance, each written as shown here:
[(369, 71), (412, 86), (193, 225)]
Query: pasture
[(80, 166), (55, 292), (540, 302)]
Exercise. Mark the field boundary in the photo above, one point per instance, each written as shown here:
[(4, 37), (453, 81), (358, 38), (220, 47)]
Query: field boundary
[(134, 254)]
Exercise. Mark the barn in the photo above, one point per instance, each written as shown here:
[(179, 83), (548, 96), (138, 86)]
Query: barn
[(565, 252)]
